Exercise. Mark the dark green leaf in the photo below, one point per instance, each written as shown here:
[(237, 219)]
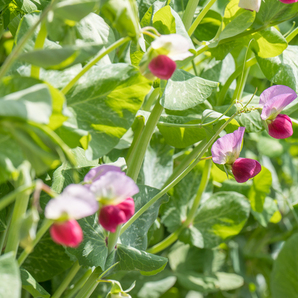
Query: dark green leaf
[(130, 258), (47, 260), (136, 234), (93, 250), (158, 163)]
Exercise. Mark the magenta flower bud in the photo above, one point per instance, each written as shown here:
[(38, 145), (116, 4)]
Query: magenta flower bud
[(288, 1), (111, 216), (68, 233), (162, 67), (280, 127), (245, 168), (226, 150), (273, 100)]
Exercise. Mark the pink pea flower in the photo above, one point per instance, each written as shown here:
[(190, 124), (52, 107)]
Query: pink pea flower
[(253, 5), (160, 59), (273, 100), (111, 216), (75, 202), (226, 151), (113, 186)]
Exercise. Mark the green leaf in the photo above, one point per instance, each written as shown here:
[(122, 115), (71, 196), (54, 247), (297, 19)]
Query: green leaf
[(158, 163), (164, 21), (181, 132), (268, 43), (33, 104), (251, 121), (274, 12), (74, 10), (174, 212), (10, 282), (136, 234), (11, 157), (93, 250), (47, 260), (61, 58), (210, 283), (117, 91), (270, 209), (123, 16), (31, 286), (28, 6), (209, 26), (260, 189), (236, 20), (282, 70), (222, 216), (284, 274), (184, 91), (270, 147), (130, 258)]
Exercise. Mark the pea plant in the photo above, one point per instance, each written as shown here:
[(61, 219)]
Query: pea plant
[(149, 149)]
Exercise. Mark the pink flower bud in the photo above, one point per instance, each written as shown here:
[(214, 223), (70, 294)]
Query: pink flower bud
[(245, 168), (68, 233), (111, 216), (288, 1), (280, 127), (162, 67)]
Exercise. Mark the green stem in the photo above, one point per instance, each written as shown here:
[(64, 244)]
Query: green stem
[(200, 17), (78, 284), (19, 210), (19, 46), (113, 238), (202, 187), (191, 215), (242, 80), (71, 274), (178, 179), (202, 49), (189, 13), (4, 234), (152, 98), (292, 35), (233, 76), (45, 226), (137, 135), (9, 198), (186, 161), (136, 163), (39, 42), (88, 287), (111, 48)]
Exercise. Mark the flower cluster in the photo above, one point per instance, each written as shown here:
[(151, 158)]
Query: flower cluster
[(106, 188), (159, 61), (273, 100), (226, 150)]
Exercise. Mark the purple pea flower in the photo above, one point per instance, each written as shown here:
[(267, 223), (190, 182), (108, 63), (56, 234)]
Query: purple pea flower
[(226, 151), (288, 1), (75, 202), (273, 100)]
